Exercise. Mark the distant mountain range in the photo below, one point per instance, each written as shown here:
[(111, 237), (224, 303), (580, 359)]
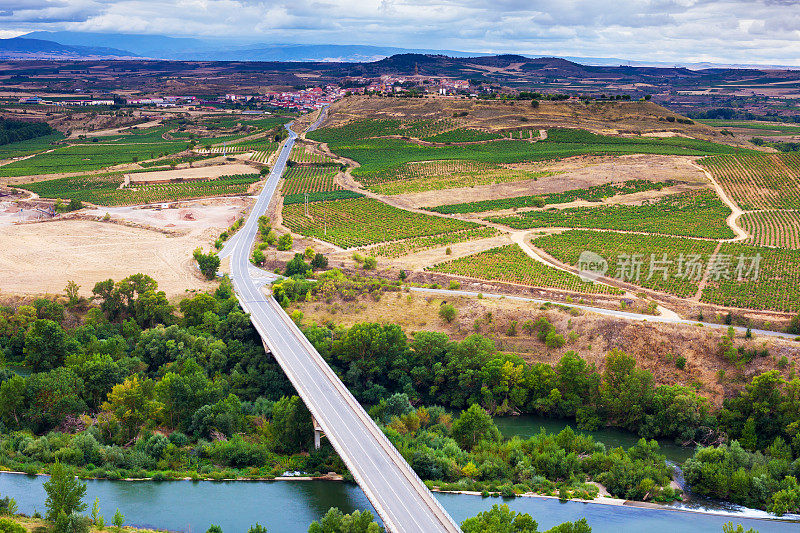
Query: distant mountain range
[(83, 45), (25, 48), (190, 49)]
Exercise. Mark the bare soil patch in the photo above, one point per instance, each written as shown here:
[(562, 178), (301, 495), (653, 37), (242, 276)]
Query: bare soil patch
[(194, 173), (39, 258), (573, 173)]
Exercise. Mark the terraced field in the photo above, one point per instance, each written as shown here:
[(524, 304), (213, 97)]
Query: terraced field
[(363, 221), (777, 286), (510, 264), (644, 260), (692, 214), (772, 228), (759, 181), (104, 189)]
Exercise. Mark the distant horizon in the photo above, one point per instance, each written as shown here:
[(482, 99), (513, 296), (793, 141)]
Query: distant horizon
[(730, 32), (240, 45)]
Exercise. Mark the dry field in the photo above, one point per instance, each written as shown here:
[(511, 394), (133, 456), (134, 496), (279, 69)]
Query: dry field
[(194, 173), (40, 257), (568, 174)]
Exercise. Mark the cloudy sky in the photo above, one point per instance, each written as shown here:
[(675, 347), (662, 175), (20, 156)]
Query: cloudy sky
[(728, 31)]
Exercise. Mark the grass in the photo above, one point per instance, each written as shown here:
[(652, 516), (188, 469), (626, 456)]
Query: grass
[(104, 190), (363, 221), (617, 249), (510, 264), (591, 194), (693, 214), (87, 157)]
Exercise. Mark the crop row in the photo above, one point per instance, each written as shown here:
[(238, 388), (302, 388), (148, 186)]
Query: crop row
[(377, 155), (691, 214), (301, 154), (363, 221), (511, 265), (773, 228), (417, 244), (85, 157), (366, 129), (591, 194), (298, 180), (759, 181), (776, 288), (320, 196), (669, 264), (460, 135), (104, 190), (437, 175)]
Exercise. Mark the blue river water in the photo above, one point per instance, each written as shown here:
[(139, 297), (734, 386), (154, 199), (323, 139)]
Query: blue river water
[(290, 506)]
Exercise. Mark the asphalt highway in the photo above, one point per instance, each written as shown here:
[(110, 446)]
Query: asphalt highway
[(398, 495)]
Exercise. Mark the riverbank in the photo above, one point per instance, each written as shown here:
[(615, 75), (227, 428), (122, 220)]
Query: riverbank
[(35, 525)]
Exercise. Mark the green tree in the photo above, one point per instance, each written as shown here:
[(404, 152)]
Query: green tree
[(118, 520), (291, 425), (285, 242), (473, 426), (97, 518), (64, 493), (447, 313), (500, 519), (45, 346), (335, 521), (208, 263), (297, 267), (319, 262), (133, 404), (12, 400)]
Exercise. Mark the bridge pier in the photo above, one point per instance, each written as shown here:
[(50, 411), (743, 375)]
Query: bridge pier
[(317, 432)]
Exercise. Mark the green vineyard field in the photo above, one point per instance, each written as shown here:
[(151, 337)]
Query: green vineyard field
[(694, 214), (619, 250), (363, 221), (510, 264)]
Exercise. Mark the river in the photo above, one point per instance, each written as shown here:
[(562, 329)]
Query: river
[(290, 506)]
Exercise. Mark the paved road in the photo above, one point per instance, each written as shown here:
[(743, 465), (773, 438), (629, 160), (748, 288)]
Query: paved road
[(400, 498)]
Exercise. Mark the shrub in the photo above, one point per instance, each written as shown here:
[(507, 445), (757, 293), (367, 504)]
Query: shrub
[(370, 263), (9, 526), (680, 362), (208, 263), (447, 312), (285, 242)]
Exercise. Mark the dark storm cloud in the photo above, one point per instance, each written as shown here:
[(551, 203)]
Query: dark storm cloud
[(743, 31)]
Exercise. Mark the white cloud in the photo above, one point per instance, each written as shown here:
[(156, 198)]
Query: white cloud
[(744, 31)]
